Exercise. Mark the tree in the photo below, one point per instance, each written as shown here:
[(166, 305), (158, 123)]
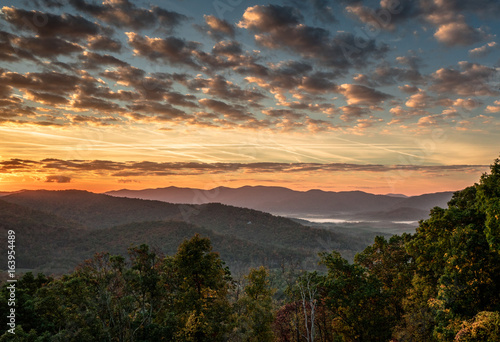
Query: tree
[(389, 262), (456, 257), (359, 307), (254, 308), (484, 327), (307, 287), (201, 294), (26, 291)]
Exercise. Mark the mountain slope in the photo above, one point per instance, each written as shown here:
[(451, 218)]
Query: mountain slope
[(47, 243), (84, 223), (95, 211), (76, 224), (165, 236), (283, 201), (426, 201), (41, 239)]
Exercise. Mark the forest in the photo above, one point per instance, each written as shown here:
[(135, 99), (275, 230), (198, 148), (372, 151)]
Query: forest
[(441, 283)]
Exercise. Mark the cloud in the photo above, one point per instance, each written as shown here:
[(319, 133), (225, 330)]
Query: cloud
[(55, 82), (383, 17), (470, 79), (282, 76), (5, 90), (221, 88), (233, 112), (388, 73), (284, 114), (352, 113), (217, 28), (64, 93), (179, 99), (47, 47), (103, 43), (157, 111), (323, 11), (58, 179), (447, 16), (7, 51), (45, 98), (92, 60), (430, 120), (408, 89), (125, 14), (363, 124), (483, 50), (269, 18), (228, 48), (94, 121), (420, 100), (95, 104), (362, 95), (466, 103), (67, 92), (50, 25), (171, 49), (401, 114), (151, 87), (10, 52), (459, 33), (493, 109), (318, 82), (125, 181), (46, 3), (149, 168), (279, 27)]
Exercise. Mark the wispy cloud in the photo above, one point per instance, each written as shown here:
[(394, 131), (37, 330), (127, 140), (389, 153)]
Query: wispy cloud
[(148, 168)]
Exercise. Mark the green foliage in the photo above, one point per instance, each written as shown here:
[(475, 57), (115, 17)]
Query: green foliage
[(254, 309), (146, 297), (456, 257), (359, 305), (28, 319), (203, 283), (489, 202), (389, 262)]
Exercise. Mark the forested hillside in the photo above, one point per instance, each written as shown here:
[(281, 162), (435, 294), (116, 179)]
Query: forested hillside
[(58, 229), (440, 284)]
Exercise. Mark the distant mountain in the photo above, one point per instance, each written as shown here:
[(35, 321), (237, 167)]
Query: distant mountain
[(287, 202), (426, 202), (398, 214), (58, 229), (397, 195)]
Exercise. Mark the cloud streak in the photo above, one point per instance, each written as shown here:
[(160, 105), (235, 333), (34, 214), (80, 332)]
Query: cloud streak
[(148, 168)]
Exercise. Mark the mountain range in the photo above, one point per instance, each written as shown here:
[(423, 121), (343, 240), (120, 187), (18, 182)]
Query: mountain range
[(56, 230), (350, 205)]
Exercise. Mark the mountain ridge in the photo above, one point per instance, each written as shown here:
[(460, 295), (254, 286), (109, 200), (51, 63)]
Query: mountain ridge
[(288, 202), (56, 229)]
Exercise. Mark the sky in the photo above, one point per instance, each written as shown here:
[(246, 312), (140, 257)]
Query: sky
[(386, 96)]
